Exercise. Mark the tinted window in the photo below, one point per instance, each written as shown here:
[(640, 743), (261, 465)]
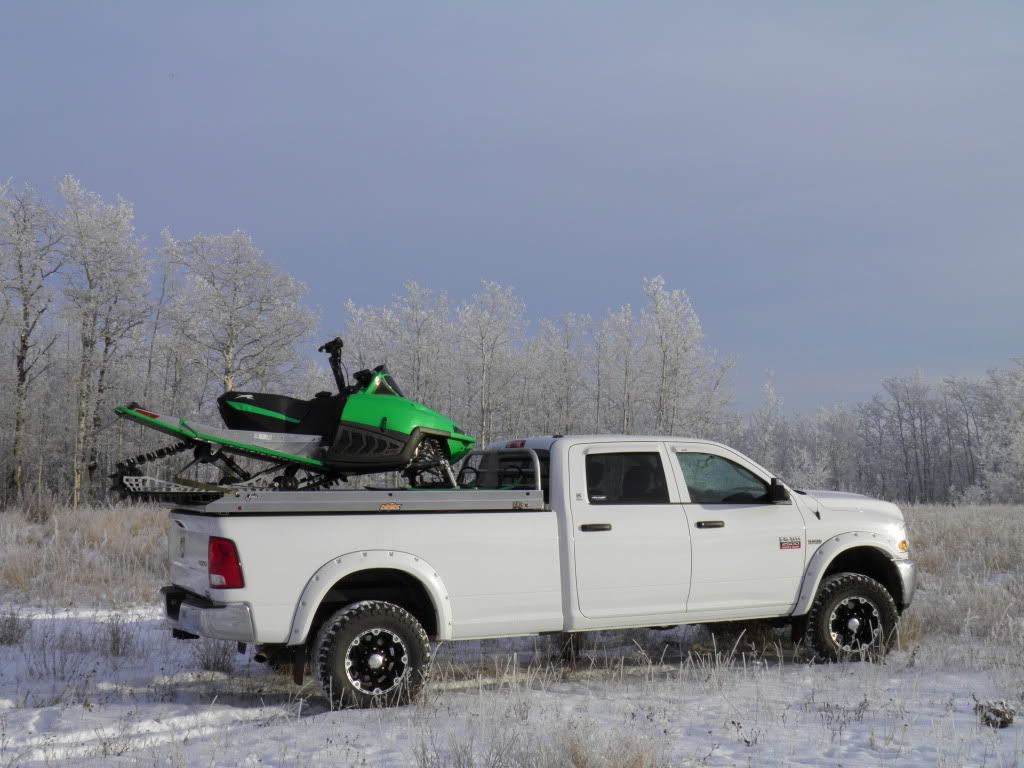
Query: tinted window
[(626, 478), (714, 480)]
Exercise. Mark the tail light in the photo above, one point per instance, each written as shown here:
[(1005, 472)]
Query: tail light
[(224, 567)]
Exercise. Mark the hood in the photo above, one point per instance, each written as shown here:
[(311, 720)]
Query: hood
[(854, 504)]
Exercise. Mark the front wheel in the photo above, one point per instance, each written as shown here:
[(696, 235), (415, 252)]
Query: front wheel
[(371, 653), (852, 617)]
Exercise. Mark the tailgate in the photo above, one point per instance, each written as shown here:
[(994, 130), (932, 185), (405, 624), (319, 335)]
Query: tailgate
[(187, 548)]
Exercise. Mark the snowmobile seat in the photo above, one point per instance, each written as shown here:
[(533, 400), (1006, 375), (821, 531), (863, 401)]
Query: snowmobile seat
[(261, 411)]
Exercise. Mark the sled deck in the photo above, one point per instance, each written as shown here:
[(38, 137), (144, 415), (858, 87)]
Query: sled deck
[(282, 446)]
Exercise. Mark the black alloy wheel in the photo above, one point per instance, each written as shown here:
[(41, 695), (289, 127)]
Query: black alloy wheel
[(371, 653), (853, 617)]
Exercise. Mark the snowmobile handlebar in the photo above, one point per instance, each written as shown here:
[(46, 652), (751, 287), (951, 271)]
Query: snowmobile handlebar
[(333, 349)]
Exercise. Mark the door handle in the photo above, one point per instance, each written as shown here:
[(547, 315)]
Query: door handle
[(711, 523), (588, 527)]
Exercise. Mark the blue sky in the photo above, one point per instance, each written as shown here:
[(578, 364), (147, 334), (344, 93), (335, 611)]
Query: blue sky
[(838, 187)]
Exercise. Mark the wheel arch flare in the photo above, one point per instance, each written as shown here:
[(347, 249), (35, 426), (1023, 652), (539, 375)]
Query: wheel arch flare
[(861, 552), (375, 574)]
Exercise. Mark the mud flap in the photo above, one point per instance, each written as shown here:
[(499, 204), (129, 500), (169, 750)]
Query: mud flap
[(299, 665)]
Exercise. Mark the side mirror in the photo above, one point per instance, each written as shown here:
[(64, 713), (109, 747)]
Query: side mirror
[(777, 493)]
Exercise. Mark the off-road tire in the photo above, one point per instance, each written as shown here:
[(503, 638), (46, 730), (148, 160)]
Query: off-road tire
[(845, 598), (386, 651)]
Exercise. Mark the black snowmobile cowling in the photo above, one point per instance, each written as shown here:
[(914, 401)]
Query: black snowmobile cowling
[(367, 427)]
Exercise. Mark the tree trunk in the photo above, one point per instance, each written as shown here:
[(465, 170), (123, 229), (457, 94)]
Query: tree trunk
[(20, 398), (81, 424), (97, 403)]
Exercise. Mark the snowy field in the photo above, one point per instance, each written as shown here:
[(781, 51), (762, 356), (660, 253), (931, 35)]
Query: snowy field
[(106, 686)]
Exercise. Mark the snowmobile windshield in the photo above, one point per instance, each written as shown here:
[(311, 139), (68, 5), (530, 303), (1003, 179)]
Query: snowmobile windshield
[(386, 385)]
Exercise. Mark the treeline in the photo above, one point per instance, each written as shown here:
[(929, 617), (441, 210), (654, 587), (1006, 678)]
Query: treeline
[(648, 372), (960, 440), (90, 319)]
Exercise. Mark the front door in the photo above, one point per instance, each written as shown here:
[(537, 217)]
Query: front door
[(748, 553), (632, 548)]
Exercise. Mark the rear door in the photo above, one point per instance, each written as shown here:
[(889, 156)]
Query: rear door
[(748, 553), (630, 539)]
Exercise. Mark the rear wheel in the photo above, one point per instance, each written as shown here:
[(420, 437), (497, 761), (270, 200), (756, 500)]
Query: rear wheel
[(852, 617), (371, 653)]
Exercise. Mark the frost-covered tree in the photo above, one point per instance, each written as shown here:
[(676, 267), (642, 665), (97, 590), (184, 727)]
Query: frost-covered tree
[(372, 335), (106, 289), (29, 258), (767, 439), (490, 325), (620, 343), (243, 316), (425, 334), (1003, 454), (684, 378), (558, 396)]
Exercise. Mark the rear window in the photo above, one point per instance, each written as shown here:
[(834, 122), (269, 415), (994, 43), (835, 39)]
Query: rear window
[(505, 471)]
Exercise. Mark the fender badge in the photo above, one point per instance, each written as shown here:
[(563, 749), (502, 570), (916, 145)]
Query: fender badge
[(789, 542), (389, 507)]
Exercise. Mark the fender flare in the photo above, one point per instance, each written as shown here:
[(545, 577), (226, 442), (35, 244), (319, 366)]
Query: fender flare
[(828, 551), (336, 569)]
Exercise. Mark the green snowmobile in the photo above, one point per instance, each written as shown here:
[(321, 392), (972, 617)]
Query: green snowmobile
[(367, 427)]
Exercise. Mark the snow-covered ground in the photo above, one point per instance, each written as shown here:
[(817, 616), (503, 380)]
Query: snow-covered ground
[(110, 688)]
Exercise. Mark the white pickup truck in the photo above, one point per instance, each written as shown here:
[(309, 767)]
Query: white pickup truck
[(546, 534)]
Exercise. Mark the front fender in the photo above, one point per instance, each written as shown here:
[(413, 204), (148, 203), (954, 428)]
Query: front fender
[(828, 551), (333, 571)]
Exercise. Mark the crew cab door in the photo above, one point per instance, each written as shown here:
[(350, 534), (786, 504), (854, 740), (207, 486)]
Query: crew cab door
[(630, 539), (748, 553)]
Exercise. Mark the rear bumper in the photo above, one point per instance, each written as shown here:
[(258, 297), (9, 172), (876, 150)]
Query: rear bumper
[(907, 570), (196, 615)]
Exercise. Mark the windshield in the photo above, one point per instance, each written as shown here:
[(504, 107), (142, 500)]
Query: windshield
[(386, 384)]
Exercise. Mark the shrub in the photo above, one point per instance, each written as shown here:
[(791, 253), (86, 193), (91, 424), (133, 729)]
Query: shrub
[(13, 627), (215, 655)]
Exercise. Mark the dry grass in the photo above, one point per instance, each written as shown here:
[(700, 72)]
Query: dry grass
[(214, 655), (98, 556), (573, 744), (971, 576)]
